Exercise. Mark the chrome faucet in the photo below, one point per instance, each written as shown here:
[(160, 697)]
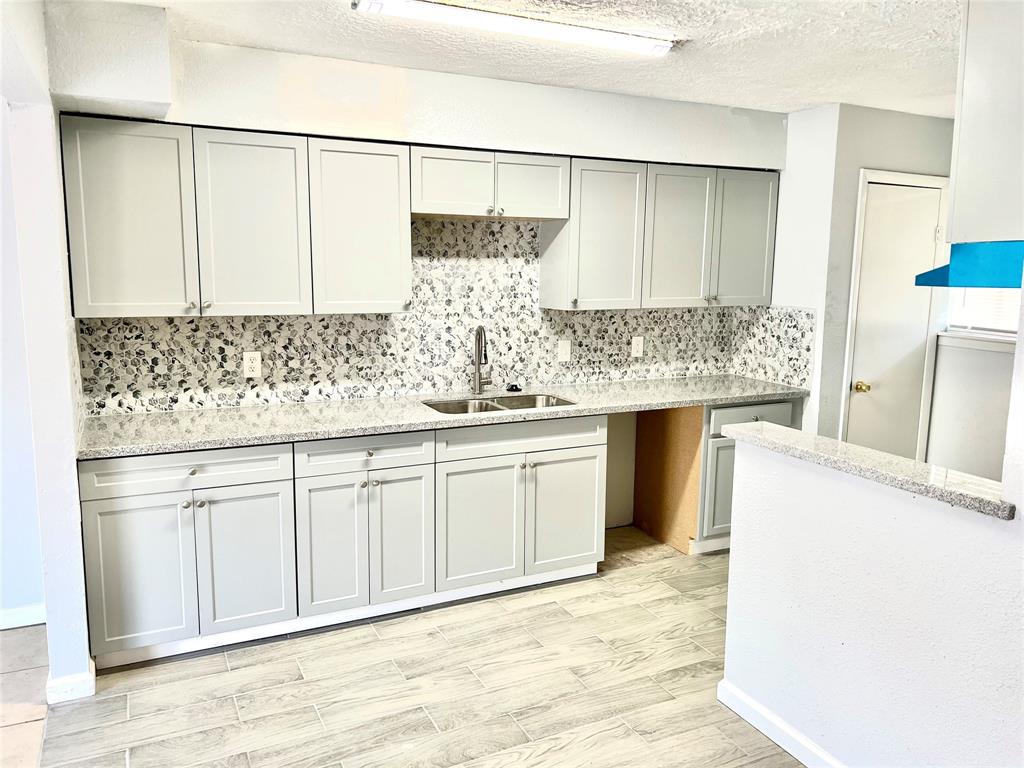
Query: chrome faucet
[(480, 359)]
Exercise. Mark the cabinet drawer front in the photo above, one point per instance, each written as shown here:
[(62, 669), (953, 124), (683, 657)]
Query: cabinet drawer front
[(777, 413), (354, 454), (134, 475), (520, 437)]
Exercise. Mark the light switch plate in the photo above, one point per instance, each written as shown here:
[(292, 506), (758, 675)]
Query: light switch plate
[(252, 364), (564, 350), (637, 347)]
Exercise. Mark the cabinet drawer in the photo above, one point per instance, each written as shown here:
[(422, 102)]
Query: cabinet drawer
[(134, 475), (352, 454), (520, 437), (777, 413)]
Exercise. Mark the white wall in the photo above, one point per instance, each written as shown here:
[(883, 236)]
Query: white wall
[(804, 225), (882, 140), (878, 629), (50, 354), (21, 567), (970, 405)]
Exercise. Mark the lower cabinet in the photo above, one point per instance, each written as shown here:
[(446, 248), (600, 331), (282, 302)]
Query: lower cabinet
[(332, 542), (245, 555), (401, 510), (481, 517), (140, 568), (565, 506), (718, 486)]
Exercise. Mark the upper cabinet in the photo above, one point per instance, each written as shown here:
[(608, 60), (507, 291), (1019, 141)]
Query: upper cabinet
[(131, 218), (457, 182), (595, 260), (744, 240), (677, 235), (252, 206), (362, 247)]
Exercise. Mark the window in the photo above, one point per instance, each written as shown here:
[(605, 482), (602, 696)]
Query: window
[(985, 309)]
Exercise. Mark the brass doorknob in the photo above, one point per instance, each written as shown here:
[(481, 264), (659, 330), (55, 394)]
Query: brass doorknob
[(861, 386)]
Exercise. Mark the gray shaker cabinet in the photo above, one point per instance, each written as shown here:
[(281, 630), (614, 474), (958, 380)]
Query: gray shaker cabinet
[(744, 237), (401, 504), (245, 553), (140, 570)]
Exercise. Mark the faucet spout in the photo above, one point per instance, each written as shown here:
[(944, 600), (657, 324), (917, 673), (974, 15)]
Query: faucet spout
[(480, 359)]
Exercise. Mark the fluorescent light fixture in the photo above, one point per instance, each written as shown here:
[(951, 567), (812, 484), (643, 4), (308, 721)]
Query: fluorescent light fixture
[(488, 21)]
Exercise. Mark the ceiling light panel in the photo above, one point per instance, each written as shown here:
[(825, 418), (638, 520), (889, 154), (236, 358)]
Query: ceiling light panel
[(520, 26)]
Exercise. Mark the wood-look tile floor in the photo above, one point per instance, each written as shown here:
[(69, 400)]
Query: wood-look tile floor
[(616, 670)]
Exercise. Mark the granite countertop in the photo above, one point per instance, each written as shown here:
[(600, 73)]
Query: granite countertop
[(958, 488), (187, 430)]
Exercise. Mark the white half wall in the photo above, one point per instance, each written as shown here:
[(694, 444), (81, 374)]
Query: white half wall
[(871, 627), (250, 88)]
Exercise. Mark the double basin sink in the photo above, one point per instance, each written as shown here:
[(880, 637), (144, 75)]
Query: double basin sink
[(500, 403)]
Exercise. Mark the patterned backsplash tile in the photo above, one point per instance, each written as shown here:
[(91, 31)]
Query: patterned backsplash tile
[(465, 273)]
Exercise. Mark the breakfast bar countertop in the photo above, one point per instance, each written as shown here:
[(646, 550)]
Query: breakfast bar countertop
[(136, 434), (960, 489)]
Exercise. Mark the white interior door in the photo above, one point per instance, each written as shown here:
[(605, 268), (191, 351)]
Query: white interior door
[(891, 318)]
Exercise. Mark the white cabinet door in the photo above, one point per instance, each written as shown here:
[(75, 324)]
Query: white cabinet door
[(531, 186), (565, 506), (744, 247), (245, 552), (718, 487), (481, 508), (252, 201), (331, 538), (401, 533), (453, 181), (362, 237), (131, 213), (677, 235), (606, 234), (140, 570)]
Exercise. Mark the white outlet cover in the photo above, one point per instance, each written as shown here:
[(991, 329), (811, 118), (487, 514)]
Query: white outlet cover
[(564, 350), (637, 347), (252, 364)]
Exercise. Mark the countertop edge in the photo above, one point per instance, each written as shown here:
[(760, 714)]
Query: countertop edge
[(429, 421), (779, 442)]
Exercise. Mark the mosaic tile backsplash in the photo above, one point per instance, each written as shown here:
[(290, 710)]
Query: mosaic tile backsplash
[(465, 273)]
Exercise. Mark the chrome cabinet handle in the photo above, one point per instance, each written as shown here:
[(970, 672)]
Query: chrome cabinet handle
[(191, 306), (755, 418), (533, 465), (523, 465), (369, 454), (362, 484), (201, 503), (575, 302), (490, 209), (207, 304), (501, 211), (376, 482), (407, 304), (193, 471), (186, 504)]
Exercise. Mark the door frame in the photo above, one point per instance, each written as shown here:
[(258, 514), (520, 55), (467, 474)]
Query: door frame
[(937, 310)]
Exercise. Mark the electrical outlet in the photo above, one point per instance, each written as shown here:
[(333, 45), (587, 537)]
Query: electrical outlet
[(564, 350), (637, 347), (252, 364)]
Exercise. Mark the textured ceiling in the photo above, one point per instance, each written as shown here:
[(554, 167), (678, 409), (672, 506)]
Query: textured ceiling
[(779, 55)]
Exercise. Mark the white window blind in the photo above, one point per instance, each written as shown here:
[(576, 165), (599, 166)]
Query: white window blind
[(985, 309)]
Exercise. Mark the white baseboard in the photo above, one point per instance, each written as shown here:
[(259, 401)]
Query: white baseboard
[(205, 642), (704, 546), (70, 687), (22, 616), (794, 741)]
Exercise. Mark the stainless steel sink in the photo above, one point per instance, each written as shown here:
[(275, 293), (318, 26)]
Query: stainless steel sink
[(516, 402), (503, 403)]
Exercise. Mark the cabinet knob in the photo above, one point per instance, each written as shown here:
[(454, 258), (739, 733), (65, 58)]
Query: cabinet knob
[(408, 304), (369, 454), (186, 504), (376, 483), (207, 304), (193, 471), (200, 503), (191, 306), (523, 465), (533, 464), (575, 302), (362, 484), (713, 298), (861, 386), (501, 211), (490, 209), (755, 418)]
